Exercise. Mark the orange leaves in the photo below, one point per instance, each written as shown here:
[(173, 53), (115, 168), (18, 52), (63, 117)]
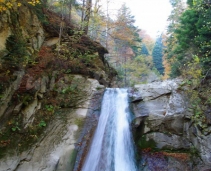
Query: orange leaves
[(123, 32), (181, 156), (146, 150), (45, 52), (4, 143), (177, 155), (2, 8), (122, 36)]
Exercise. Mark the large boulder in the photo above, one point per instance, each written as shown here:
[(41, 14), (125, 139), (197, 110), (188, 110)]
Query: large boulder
[(162, 117), (162, 103)]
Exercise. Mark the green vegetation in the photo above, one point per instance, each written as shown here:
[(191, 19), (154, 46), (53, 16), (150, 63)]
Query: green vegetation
[(193, 38), (143, 143), (137, 68), (49, 108), (73, 159), (157, 55), (17, 56), (42, 123), (144, 50), (79, 122), (188, 53)]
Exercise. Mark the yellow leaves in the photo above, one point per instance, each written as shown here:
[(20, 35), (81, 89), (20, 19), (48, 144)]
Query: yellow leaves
[(196, 59), (9, 4), (34, 2), (167, 68), (193, 69), (56, 4)]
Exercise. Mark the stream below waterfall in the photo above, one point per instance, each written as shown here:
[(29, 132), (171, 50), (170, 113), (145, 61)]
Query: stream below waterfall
[(112, 147)]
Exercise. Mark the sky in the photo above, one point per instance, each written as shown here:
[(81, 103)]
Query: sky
[(150, 15)]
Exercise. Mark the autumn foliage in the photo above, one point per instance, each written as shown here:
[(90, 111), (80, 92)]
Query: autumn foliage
[(9, 4)]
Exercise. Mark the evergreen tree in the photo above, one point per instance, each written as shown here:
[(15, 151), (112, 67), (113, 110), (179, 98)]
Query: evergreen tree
[(174, 23), (191, 38), (157, 55), (144, 50)]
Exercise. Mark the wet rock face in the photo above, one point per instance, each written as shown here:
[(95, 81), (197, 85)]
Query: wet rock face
[(87, 133), (162, 116)]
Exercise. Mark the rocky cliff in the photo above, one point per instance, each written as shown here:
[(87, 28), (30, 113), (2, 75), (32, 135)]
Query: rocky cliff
[(163, 123), (55, 147), (49, 71)]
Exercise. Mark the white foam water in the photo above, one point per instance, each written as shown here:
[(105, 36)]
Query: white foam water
[(112, 148)]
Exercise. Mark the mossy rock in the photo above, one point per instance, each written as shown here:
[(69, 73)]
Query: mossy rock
[(143, 143), (73, 159)]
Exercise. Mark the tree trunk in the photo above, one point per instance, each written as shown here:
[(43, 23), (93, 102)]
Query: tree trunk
[(82, 16), (87, 15), (70, 11), (44, 2)]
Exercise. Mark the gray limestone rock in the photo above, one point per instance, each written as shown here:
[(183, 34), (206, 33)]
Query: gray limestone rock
[(161, 108)]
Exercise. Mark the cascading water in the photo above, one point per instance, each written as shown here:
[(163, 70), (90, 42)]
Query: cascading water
[(112, 148)]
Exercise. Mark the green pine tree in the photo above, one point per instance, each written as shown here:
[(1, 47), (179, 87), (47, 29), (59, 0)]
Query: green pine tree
[(157, 55)]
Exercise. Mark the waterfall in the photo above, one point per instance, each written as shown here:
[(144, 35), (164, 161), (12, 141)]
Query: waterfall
[(112, 147)]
